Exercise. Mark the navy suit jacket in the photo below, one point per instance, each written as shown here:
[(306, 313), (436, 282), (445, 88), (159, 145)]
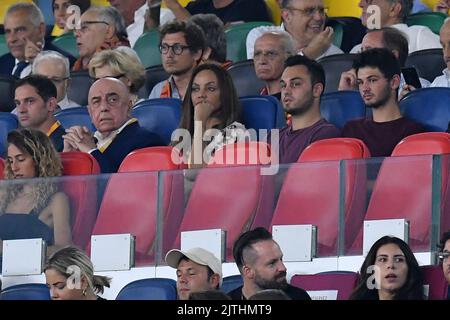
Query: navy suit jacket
[(7, 61), (132, 137)]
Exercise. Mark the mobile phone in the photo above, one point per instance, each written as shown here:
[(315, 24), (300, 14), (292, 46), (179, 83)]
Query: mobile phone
[(411, 77)]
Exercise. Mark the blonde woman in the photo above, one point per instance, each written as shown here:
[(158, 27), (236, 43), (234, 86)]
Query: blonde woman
[(33, 208)]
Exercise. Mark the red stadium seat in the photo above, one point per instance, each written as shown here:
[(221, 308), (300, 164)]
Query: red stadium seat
[(403, 188), (82, 192), (136, 211), (342, 282), (310, 192), (233, 200), (433, 276)]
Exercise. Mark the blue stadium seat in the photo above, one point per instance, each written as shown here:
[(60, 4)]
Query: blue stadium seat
[(231, 282), (244, 78), (27, 291), (341, 106), (333, 66), (78, 116), (8, 122), (79, 85), (262, 112), (149, 289), (153, 75), (429, 106), (160, 116)]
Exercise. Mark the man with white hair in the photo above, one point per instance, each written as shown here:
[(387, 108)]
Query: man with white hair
[(25, 37)]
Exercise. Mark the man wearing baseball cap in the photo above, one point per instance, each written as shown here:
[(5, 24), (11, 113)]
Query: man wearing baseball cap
[(197, 270)]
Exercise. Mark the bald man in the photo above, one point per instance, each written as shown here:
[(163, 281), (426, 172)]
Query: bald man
[(117, 134)]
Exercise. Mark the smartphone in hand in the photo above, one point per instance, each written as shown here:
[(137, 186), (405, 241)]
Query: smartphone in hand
[(411, 77)]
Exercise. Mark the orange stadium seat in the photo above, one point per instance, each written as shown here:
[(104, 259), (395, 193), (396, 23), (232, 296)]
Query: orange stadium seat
[(310, 192), (232, 200), (129, 204), (342, 282), (403, 188), (82, 192)]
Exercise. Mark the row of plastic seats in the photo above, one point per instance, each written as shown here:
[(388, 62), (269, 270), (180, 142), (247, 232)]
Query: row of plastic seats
[(165, 289)]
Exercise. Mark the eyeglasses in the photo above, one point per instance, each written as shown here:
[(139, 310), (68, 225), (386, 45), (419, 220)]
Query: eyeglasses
[(176, 48), (309, 12), (268, 54), (443, 255), (84, 26)]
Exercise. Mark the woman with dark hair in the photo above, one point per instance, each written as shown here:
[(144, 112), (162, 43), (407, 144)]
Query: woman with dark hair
[(389, 272), (33, 208), (60, 11), (211, 112)]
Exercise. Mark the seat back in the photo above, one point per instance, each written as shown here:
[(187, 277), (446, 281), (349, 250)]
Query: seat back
[(311, 192), (149, 289), (403, 188), (78, 89), (342, 282), (244, 78), (429, 106), (160, 116), (429, 63), (230, 283), (432, 20), (82, 192), (348, 31), (238, 200), (333, 66), (8, 122), (7, 87), (27, 291), (147, 48), (262, 112), (136, 213), (68, 43), (3, 46), (433, 277), (153, 75), (77, 116), (236, 39), (339, 107)]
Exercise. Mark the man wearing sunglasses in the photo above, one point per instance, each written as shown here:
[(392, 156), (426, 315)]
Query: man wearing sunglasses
[(181, 46)]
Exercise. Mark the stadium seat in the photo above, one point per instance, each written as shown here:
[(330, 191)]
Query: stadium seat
[(27, 291), (8, 122), (232, 200), (2, 168), (7, 87), (244, 78), (262, 112), (136, 211), (149, 289), (334, 65), (230, 283), (153, 75), (68, 43), (160, 116), (432, 20), (311, 191), (236, 39), (429, 63), (147, 48), (341, 106), (3, 46), (348, 31), (429, 106), (403, 188), (82, 192), (342, 282), (433, 276), (78, 89), (77, 116)]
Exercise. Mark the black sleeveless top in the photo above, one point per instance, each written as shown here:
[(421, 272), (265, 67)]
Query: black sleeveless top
[(15, 226)]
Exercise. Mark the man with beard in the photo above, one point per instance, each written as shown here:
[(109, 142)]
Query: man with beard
[(378, 78), (302, 84), (260, 262), (181, 45)]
